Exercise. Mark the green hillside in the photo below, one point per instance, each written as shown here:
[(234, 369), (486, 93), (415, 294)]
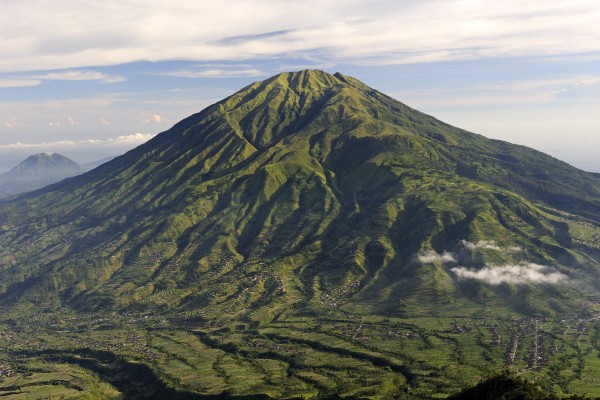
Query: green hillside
[(306, 221)]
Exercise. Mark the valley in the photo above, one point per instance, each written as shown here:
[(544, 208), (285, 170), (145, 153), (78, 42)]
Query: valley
[(293, 356)]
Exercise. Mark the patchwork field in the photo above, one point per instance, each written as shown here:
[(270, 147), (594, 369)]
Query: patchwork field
[(137, 356)]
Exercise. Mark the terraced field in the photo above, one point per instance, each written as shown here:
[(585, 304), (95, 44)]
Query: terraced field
[(139, 356)]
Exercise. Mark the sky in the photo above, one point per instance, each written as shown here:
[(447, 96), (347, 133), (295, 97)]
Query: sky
[(92, 79)]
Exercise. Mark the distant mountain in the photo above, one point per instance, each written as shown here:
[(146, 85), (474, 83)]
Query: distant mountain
[(37, 171), (94, 164), (334, 188)]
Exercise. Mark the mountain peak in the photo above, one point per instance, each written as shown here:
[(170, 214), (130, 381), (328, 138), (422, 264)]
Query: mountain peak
[(49, 157), (45, 164), (314, 80), (36, 171), (46, 156), (321, 167), (307, 80)]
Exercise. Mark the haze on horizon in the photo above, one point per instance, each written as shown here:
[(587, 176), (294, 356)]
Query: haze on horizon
[(96, 80)]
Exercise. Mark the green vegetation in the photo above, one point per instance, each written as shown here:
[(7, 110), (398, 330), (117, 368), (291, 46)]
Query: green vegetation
[(145, 356), (508, 387), (307, 237)]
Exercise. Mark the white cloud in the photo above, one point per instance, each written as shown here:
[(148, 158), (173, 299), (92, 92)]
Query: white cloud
[(15, 83), (518, 274), (113, 79), (581, 81), (530, 93), (360, 31), (76, 104), (217, 73), (482, 244), (19, 145), (133, 139), (149, 117), (477, 99), (104, 121), (80, 76), (92, 141), (489, 245), (431, 256), (12, 122)]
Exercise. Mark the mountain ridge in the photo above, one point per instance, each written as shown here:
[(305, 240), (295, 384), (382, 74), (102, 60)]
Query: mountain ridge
[(306, 237), (292, 166)]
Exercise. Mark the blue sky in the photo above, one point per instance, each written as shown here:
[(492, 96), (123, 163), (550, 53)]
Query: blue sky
[(94, 79)]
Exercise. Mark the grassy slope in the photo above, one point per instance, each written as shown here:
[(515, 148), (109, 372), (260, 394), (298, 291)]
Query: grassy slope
[(281, 225), (304, 166)]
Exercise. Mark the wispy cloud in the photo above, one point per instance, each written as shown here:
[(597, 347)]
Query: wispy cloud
[(581, 81), (216, 73), (78, 75), (482, 244), (19, 145), (133, 139), (431, 256), (517, 274), (130, 139), (361, 32), (12, 122), (149, 117), (488, 245), (15, 83)]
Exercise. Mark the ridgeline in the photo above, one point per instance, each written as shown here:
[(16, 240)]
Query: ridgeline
[(310, 211)]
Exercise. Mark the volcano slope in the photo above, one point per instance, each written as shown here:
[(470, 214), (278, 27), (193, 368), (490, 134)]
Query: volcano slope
[(307, 236)]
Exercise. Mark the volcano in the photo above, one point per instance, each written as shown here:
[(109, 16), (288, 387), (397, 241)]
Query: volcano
[(306, 237), (36, 171), (332, 193)]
